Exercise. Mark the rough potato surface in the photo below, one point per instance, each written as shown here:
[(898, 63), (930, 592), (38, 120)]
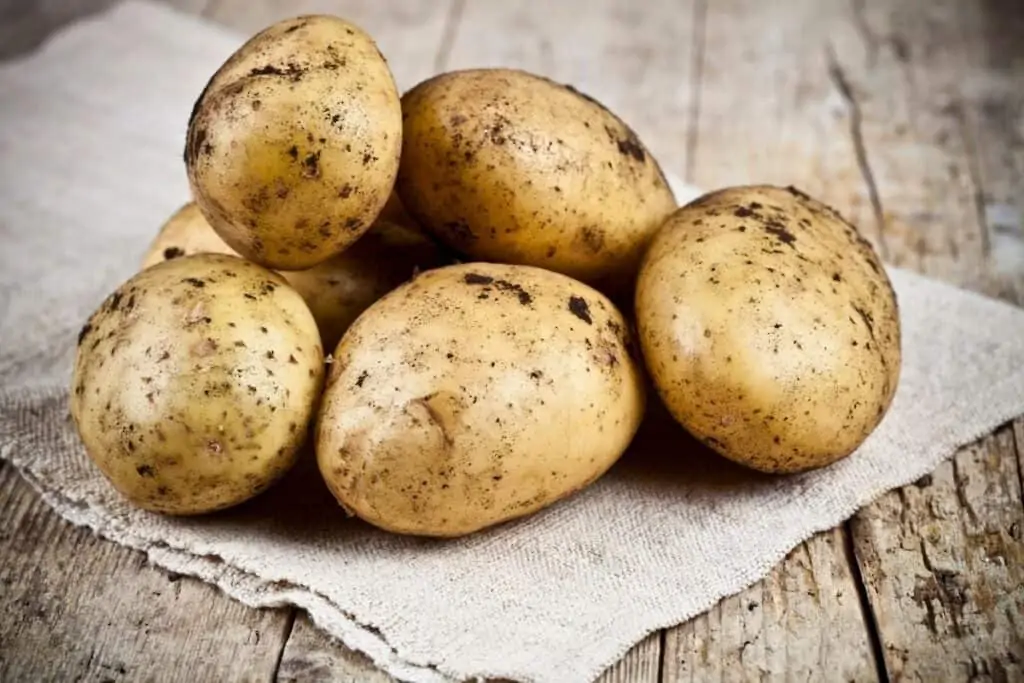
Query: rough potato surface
[(510, 167), (293, 146), (769, 327), (195, 383), (475, 394), (185, 233), (337, 290)]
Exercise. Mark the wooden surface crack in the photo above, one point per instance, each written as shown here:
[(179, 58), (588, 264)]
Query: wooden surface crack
[(662, 636), (960, 482), (842, 84), (866, 608), (286, 634), (1017, 434)]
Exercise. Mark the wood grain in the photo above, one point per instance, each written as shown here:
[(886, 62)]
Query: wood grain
[(918, 74), (80, 608), (944, 568), (803, 622), (311, 656), (942, 560)]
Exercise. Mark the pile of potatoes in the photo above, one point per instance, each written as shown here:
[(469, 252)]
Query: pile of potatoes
[(459, 297)]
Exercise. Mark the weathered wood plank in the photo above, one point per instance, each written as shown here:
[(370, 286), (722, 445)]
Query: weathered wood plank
[(311, 656), (803, 622), (938, 125), (944, 567), (80, 608), (942, 560)]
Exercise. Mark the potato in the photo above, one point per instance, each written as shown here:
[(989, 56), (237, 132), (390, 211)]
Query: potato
[(185, 233), (292, 148), (195, 383), (769, 327), (337, 290), (475, 394), (510, 167)]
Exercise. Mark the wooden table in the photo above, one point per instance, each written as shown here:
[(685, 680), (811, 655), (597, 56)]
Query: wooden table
[(907, 116)]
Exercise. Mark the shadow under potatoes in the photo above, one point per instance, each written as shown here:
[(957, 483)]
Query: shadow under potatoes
[(664, 463), (665, 456)]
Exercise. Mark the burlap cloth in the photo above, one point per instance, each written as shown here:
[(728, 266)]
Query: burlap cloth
[(91, 131)]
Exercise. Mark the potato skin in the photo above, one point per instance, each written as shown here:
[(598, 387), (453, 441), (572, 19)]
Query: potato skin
[(475, 394), (510, 167), (337, 290), (769, 327), (195, 383), (292, 148), (185, 233)]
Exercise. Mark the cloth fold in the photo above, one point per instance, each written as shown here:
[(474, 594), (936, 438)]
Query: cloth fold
[(91, 132)]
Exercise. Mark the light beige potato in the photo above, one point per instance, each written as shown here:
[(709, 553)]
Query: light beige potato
[(510, 167), (475, 394), (769, 327), (195, 383), (337, 290), (293, 147), (185, 233)]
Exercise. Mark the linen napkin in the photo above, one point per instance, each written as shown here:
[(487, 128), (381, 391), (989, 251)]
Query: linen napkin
[(91, 133)]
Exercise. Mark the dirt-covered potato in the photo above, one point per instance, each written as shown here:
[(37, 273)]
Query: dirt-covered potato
[(185, 233), (195, 383), (337, 290), (769, 327), (293, 147), (510, 167), (475, 394)]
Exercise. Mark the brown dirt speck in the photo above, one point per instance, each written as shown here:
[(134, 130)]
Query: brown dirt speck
[(311, 165), (477, 279), (593, 238), (84, 332), (579, 308), (781, 233)]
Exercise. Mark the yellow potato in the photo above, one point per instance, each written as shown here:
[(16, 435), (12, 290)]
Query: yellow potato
[(195, 383), (769, 327), (475, 394), (337, 290), (506, 166), (293, 147), (185, 233)]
